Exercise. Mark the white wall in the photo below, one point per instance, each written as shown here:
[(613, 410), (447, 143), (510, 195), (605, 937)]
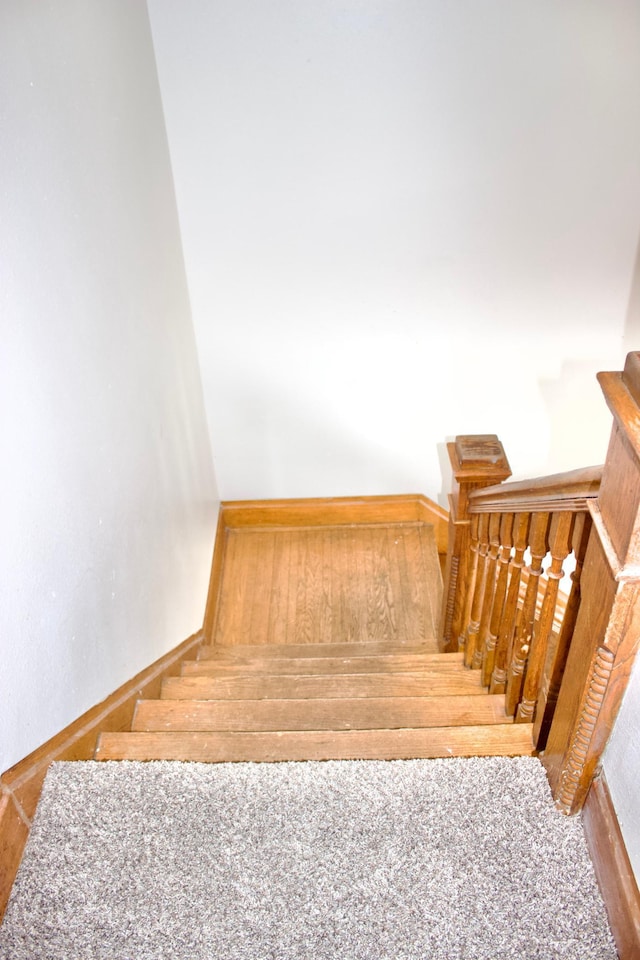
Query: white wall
[(107, 492), (402, 220), (622, 768)]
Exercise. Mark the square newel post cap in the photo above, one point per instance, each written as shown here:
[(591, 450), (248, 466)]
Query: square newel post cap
[(479, 459)]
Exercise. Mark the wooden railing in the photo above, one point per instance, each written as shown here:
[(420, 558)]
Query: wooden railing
[(562, 660), (515, 624)]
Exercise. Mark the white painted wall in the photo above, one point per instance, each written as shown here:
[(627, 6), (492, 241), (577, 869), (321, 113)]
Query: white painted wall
[(402, 220), (622, 768), (107, 494)]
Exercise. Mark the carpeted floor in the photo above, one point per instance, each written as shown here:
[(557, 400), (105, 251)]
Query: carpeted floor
[(433, 859)]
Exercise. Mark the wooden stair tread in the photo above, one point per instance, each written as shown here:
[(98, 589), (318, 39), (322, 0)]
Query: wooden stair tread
[(445, 663), (346, 714), (276, 651), (429, 683), (510, 739)]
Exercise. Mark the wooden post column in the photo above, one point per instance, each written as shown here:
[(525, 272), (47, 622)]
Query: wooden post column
[(607, 630), (477, 461)]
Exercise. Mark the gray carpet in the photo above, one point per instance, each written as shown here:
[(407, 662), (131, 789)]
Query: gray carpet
[(409, 859)]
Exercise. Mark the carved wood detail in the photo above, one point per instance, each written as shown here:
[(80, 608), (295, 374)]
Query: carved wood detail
[(577, 754)]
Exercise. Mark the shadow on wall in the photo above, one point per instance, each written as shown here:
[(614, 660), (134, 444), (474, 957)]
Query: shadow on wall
[(446, 472), (301, 450), (578, 417), (632, 322)]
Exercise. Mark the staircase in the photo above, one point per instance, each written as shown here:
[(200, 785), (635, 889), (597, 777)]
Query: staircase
[(320, 702), (393, 698)]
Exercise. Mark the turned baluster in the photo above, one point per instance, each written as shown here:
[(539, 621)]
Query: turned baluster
[(473, 629), (471, 569), (522, 640), (557, 658), (508, 621), (476, 462), (505, 538), (559, 546), (489, 589)]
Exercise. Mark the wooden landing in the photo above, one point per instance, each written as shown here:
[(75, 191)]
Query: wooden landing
[(332, 584)]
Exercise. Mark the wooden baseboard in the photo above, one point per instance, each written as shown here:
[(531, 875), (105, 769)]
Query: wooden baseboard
[(20, 786), (215, 579), (335, 510), (613, 869), (403, 508)]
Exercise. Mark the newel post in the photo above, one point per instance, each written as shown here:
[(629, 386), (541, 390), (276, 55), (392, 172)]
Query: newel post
[(607, 630), (477, 461)]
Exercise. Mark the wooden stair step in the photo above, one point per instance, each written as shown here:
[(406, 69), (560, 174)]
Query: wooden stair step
[(512, 739), (347, 714), (429, 683), (278, 651), (318, 666)]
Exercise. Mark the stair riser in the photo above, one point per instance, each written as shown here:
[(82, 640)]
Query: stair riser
[(443, 662), (502, 740), (288, 650), (267, 715), (467, 682)]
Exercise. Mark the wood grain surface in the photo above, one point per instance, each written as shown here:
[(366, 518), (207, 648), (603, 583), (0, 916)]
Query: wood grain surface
[(345, 583), (480, 741)]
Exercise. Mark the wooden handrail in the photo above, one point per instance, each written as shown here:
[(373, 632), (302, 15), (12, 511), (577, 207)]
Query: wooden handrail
[(565, 670), (569, 492)]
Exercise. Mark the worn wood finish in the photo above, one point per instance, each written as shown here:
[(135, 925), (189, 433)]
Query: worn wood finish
[(393, 664), (571, 491), (338, 511), (476, 462), (285, 651), (480, 741), (257, 687), (365, 583), (321, 714), (613, 868), (21, 785)]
